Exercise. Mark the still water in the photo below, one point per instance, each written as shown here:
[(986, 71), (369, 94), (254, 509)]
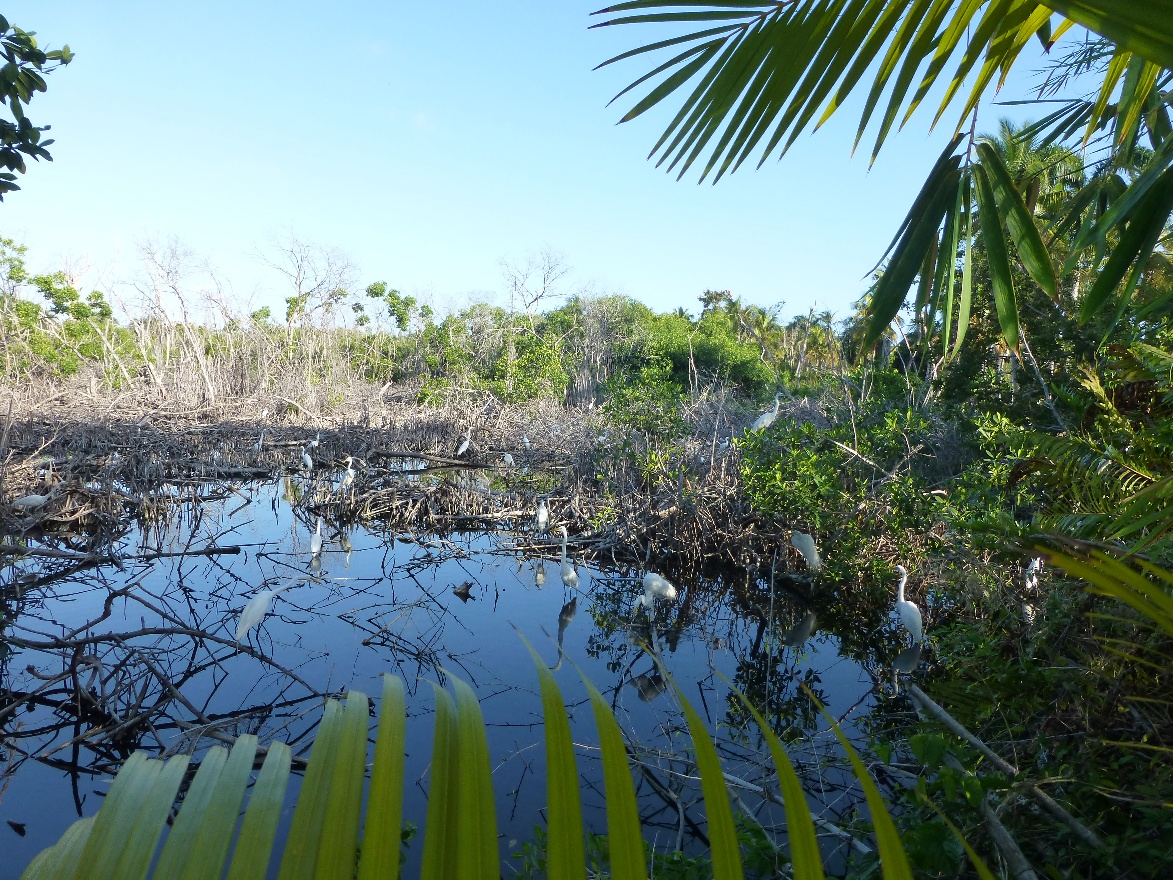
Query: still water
[(153, 644)]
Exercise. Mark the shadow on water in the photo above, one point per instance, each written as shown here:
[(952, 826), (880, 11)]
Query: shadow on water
[(141, 652)]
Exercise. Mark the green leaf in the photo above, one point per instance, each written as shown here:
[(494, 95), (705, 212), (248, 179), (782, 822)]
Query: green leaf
[(993, 237), (565, 852), (893, 859), (805, 855), (254, 846), (443, 822), (380, 842), (476, 830), (624, 840), (1140, 26), (1023, 232), (724, 848)]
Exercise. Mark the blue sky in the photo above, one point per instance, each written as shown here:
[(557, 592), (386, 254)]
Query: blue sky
[(427, 142)]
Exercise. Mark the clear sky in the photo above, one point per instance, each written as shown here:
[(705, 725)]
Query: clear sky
[(427, 142)]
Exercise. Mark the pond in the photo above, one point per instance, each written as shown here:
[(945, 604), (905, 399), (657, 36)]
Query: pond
[(143, 654)]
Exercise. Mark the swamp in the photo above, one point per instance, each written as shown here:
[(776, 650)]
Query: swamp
[(692, 593)]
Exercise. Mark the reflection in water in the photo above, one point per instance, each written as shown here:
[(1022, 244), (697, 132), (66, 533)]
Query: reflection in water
[(797, 635), (648, 686), (564, 617), (97, 662)]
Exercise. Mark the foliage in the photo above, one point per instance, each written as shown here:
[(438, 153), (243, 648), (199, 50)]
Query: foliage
[(21, 77), (329, 837)]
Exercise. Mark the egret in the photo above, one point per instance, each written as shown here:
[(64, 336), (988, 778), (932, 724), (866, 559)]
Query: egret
[(507, 459), (1030, 578), (797, 635), (348, 477), (542, 520), (256, 609), (655, 587), (569, 575), (29, 503), (525, 442), (805, 544), (909, 613), (316, 541), (260, 441), (767, 418), (723, 446), (313, 444), (307, 463), (540, 575), (463, 447), (564, 617)]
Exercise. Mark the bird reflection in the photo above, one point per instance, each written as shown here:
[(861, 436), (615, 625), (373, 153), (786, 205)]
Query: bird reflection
[(797, 635), (540, 575), (649, 686), (463, 591), (564, 617)]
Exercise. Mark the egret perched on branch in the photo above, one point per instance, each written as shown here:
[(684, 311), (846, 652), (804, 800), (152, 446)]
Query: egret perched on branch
[(30, 503), (655, 587), (569, 575), (805, 544), (767, 418), (909, 613), (348, 477), (463, 447), (542, 520), (306, 462), (316, 540)]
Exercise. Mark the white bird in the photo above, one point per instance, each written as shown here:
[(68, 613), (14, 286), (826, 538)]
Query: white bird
[(316, 540), (29, 503), (256, 609), (306, 462), (463, 448), (909, 613), (507, 458), (767, 418), (542, 520), (313, 444), (805, 544), (260, 441), (797, 635), (655, 587), (723, 446), (1030, 578), (569, 575), (348, 477), (525, 442)]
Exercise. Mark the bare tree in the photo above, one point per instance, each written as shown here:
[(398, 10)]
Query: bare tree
[(320, 278), (533, 280)]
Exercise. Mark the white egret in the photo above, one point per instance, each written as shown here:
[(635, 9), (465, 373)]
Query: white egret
[(525, 442), (348, 477), (655, 587), (542, 520), (723, 446), (316, 540), (569, 575), (507, 459), (797, 635), (307, 463), (313, 444), (767, 418), (256, 609), (29, 503), (805, 544), (1030, 578), (260, 442), (463, 447), (909, 613)]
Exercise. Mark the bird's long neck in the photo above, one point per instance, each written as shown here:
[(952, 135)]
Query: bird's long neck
[(900, 589), (563, 548), (777, 403)]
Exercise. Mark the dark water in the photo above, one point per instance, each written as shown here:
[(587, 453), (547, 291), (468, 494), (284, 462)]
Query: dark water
[(388, 605)]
